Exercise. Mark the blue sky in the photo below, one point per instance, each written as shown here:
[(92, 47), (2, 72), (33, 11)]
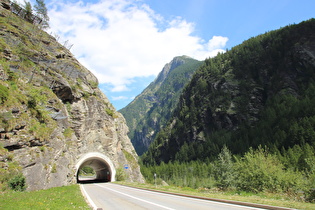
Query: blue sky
[(126, 43)]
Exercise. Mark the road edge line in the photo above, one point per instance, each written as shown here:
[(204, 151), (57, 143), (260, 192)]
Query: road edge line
[(87, 197)]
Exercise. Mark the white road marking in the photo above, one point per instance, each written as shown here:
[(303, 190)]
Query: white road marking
[(201, 200), (88, 197), (155, 204)]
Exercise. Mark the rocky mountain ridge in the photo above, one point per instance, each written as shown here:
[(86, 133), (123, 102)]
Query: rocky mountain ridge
[(150, 110)]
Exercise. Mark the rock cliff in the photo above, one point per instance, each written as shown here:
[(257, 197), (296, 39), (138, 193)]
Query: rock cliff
[(52, 111)]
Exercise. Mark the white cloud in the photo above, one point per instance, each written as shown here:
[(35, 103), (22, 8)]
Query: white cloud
[(122, 39), (217, 42), (117, 98)]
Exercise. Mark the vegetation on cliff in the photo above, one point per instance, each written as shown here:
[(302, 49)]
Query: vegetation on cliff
[(50, 107), (23, 105)]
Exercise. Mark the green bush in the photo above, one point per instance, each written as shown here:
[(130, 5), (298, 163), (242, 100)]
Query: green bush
[(120, 174), (310, 196), (68, 132), (17, 183), (4, 94), (260, 171), (109, 112)]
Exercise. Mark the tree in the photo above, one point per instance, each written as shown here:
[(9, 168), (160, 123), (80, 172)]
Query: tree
[(224, 171), (41, 11), (29, 11)]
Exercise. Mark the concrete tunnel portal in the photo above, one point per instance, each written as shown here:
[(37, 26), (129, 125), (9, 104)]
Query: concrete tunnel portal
[(100, 163)]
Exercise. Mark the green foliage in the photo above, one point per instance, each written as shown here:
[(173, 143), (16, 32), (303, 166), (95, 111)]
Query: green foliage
[(224, 169), (17, 183), (5, 119), (29, 11), (41, 11), (191, 174), (130, 158), (41, 131), (255, 172), (4, 94), (54, 168), (11, 176), (12, 76), (37, 97), (120, 174), (94, 84), (68, 132), (109, 112), (86, 171), (261, 171)]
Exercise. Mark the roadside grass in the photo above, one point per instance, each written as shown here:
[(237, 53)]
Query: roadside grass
[(66, 197), (279, 200)]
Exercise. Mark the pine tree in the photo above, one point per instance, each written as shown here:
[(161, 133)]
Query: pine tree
[(224, 170), (41, 11), (29, 11)]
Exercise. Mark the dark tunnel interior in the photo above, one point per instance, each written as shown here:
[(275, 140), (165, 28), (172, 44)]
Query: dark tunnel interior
[(101, 169)]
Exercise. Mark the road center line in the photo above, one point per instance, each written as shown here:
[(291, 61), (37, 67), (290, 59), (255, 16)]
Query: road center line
[(135, 197)]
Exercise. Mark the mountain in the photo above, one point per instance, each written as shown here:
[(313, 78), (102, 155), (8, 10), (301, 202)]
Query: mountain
[(261, 92), (150, 110), (52, 112)]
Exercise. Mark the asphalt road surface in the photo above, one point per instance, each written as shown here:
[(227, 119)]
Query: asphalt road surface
[(113, 196)]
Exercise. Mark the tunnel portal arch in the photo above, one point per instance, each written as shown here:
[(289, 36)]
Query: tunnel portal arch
[(102, 165)]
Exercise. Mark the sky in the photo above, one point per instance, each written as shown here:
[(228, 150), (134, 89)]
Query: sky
[(126, 43)]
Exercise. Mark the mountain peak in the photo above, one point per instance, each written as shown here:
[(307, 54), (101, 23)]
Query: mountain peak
[(148, 112), (177, 61)]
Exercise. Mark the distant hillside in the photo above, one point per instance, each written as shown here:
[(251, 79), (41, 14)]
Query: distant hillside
[(149, 111), (261, 92)]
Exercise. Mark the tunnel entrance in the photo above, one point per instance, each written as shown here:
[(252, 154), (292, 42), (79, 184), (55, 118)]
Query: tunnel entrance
[(95, 167)]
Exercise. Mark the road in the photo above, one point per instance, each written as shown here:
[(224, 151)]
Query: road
[(113, 196)]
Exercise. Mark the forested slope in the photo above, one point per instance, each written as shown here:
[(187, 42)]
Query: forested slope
[(149, 111), (261, 92), (246, 121)]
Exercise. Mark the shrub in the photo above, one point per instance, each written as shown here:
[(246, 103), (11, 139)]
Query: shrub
[(54, 168), (120, 174), (17, 183), (41, 131), (109, 112), (310, 196), (4, 93), (68, 132), (260, 171)]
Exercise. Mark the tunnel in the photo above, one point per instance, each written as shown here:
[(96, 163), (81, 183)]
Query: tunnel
[(102, 166)]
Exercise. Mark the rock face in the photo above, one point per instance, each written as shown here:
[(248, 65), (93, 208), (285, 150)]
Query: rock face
[(54, 113)]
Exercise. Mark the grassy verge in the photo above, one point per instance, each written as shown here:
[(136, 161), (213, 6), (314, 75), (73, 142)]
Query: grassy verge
[(261, 198), (67, 197)]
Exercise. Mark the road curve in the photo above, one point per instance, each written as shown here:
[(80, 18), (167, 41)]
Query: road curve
[(113, 196)]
